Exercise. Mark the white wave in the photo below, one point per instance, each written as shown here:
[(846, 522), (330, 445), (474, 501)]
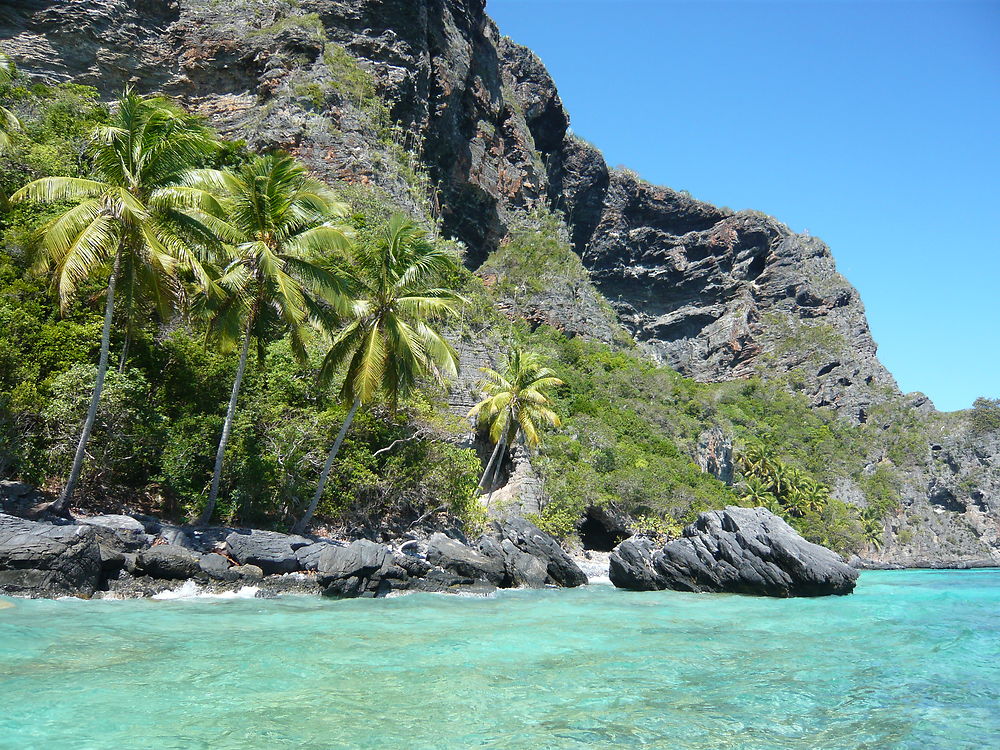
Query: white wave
[(191, 590), (595, 565)]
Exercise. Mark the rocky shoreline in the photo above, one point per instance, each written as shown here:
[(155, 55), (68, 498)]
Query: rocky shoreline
[(140, 556), (734, 550)]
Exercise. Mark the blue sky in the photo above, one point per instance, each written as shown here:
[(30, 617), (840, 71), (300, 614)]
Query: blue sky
[(873, 125)]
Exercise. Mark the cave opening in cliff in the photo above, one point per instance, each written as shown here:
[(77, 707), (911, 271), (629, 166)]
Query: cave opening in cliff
[(596, 536)]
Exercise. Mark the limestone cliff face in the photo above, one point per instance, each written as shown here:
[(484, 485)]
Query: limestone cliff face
[(382, 91)]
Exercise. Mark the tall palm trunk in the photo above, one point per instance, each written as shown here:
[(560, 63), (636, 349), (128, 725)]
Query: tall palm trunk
[(60, 505), (213, 494), (123, 356), (325, 474), (496, 471), (489, 466)]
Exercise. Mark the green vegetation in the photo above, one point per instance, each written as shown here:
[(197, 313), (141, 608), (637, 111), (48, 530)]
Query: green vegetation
[(630, 430), (985, 416), (271, 222), (309, 22), (123, 219), (8, 120), (161, 415), (535, 256)]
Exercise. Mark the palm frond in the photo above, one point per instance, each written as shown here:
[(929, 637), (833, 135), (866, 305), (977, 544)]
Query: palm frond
[(59, 189)]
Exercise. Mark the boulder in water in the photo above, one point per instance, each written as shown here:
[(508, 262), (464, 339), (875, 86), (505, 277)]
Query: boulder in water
[(169, 561), (736, 550)]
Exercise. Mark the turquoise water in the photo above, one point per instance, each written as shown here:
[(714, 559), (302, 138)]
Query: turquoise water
[(911, 660)]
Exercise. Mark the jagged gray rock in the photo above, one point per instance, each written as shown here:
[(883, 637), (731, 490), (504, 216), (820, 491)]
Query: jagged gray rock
[(520, 535), (354, 570), (271, 551), (124, 531), (462, 560), (40, 559), (736, 550), (308, 556)]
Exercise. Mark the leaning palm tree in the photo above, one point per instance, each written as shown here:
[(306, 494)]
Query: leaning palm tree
[(516, 403), (388, 341), (121, 217), (276, 225), (8, 120)]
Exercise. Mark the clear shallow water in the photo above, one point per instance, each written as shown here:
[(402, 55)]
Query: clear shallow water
[(911, 660)]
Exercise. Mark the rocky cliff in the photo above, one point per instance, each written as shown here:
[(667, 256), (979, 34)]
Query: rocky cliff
[(426, 101)]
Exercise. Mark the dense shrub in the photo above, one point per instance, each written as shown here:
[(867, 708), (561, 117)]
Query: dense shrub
[(985, 416)]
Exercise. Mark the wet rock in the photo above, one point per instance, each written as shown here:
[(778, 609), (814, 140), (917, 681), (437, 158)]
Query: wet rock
[(41, 559), (414, 565), (169, 561), (736, 550), (247, 573), (524, 570), (630, 566)]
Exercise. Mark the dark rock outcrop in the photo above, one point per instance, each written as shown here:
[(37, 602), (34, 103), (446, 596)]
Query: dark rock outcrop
[(516, 537), (308, 556), (120, 531), (355, 570), (462, 560), (736, 550), (521, 569), (271, 551), (40, 559), (169, 561), (217, 567)]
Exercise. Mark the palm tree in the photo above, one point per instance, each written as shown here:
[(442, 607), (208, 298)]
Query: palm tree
[(516, 403), (872, 529), (815, 495), (8, 120), (120, 217), (275, 225), (387, 341), (757, 493)]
